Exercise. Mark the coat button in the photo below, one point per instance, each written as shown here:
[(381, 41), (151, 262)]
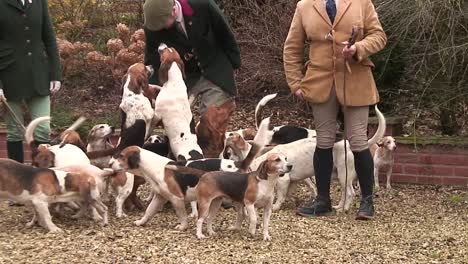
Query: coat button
[(29, 53), (199, 64), (28, 41), (24, 15), (190, 23), (26, 28)]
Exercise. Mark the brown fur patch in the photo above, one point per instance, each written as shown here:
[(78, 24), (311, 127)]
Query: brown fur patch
[(119, 179), (212, 128), (72, 137), (172, 185), (43, 158), (130, 156), (46, 182), (168, 56), (252, 188), (249, 133)]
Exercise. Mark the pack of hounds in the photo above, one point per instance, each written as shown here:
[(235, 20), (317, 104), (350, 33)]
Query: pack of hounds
[(200, 164)]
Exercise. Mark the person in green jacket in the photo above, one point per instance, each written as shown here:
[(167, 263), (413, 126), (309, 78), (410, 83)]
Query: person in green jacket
[(200, 33), (29, 67)]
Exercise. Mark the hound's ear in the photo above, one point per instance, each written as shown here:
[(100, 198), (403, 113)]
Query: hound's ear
[(180, 63), (149, 70), (263, 170), (380, 142), (133, 160), (163, 73), (92, 134)]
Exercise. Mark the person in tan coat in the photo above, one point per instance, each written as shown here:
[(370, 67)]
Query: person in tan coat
[(327, 26)]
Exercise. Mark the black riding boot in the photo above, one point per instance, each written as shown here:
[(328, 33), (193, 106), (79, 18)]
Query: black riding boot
[(364, 165), (15, 151), (323, 166)]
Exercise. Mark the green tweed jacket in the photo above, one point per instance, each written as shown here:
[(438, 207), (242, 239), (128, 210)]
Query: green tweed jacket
[(210, 50), (29, 58)]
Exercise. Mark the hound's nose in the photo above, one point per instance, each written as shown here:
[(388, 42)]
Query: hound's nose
[(112, 129), (289, 167)]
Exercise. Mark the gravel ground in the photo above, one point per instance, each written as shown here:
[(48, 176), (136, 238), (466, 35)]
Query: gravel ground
[(414, 224)]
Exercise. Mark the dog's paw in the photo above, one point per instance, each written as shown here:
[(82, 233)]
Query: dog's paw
[(193, 215), (55, 230), (201, 236), (276, 207), (266, 237), (121, 215), (181, 227), (211, 232), (140, 222), (30, 224)]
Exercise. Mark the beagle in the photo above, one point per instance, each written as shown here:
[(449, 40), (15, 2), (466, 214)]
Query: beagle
[(173, 108), (41, 187), (252, 190), (382, 152), (167, 184), (47, 156), (99, 139), (135, 105)]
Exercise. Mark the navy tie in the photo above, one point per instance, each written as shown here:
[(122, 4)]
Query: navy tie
[(331, 10)]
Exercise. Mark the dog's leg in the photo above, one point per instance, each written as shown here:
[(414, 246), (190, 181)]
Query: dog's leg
[(155, 206), (266, 220), (45, 220), (122, 195), (102, 210), (214, 208), (376, 179), (350, 194), (239, 218), (194, 213), (33, 220), (282, 190), (150, 196), (179, 207), (203, 211), (310, 182), (389, 175), (252, 217)]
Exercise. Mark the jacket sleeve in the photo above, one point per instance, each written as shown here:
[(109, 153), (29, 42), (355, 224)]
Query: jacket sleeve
[(50, 43), (374, 37), (151, 54), (293, 52), (224, 35)]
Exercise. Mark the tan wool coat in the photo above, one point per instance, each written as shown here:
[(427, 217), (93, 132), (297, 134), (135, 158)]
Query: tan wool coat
[(326, 63)]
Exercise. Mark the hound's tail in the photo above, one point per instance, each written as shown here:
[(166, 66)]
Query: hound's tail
[(260, 105), (28, 135), (379, 134), (258, 144), (173, 165), (73, 127)]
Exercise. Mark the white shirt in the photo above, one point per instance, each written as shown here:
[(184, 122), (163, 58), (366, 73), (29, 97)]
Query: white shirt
[(180, 16)]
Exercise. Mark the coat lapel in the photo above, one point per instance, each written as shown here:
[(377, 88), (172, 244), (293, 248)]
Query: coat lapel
[(16, 4), (319, 6), (342, 8)]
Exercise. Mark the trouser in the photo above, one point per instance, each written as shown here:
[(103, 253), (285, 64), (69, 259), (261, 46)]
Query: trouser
[(38, 106), (209, 94), (356, 121)]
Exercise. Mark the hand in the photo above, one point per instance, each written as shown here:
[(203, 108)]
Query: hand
[(55, 86), (348, 53), (299, 94), (2, 95)]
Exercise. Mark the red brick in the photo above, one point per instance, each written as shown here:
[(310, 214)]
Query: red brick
[(404, 178), (460, 171), (444, 159), (430, 180), (416, 169), (461, 181), (3, 154), (407, 158), (441, 170)]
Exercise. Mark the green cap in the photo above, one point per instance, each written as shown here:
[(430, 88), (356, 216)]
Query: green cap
[(156, 13)]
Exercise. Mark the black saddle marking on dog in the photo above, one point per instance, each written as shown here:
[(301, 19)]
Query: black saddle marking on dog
[(288, 134), (186, 180), (205, 165), (158, 148), (132, 136), (233, 184)]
